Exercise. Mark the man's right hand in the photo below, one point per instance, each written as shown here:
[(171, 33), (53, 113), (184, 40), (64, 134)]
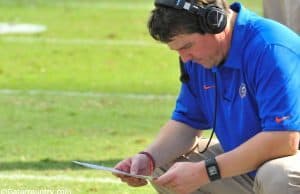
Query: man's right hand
[(138, 164)]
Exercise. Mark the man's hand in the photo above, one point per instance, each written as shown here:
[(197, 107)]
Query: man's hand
[(138, 164), (184, 177)]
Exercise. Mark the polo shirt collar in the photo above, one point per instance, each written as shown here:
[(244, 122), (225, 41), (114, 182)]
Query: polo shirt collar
[(235, 52)]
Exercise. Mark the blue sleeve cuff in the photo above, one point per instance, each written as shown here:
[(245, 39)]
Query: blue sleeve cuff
[(193, 123)]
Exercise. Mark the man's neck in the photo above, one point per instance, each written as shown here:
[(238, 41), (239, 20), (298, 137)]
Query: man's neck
[(228, 32)]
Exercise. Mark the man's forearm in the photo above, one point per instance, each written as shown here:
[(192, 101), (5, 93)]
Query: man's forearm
[(257, 150), (174, 139)]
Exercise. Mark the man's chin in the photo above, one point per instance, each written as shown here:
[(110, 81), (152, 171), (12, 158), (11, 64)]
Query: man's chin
[(204, 65)]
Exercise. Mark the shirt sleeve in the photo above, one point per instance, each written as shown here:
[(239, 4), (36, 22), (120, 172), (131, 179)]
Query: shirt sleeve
[(277, 84), (188, 109)]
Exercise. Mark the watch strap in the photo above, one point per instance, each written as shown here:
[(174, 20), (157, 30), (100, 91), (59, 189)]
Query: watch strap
[(212, 169)]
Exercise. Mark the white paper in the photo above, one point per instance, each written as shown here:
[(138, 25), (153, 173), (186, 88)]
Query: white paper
[(113, 170)]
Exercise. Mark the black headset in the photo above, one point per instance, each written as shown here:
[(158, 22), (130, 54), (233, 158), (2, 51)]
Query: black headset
[(212, 18)]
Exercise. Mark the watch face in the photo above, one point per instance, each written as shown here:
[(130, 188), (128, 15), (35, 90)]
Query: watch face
[(212, 170)]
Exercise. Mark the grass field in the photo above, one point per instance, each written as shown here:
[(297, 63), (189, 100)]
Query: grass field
[(93, 87)]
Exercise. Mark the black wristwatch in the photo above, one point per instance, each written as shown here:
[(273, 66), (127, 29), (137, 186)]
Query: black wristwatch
[(212, 169)]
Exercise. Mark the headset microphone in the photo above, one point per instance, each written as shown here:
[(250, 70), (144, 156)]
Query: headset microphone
[(213, 20), (184, 76)]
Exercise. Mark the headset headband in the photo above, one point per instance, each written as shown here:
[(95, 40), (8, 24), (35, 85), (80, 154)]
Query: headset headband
[(181, 4)]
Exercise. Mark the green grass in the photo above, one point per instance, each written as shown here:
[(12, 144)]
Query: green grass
[(42, 133), (80, 123), (98, 67)]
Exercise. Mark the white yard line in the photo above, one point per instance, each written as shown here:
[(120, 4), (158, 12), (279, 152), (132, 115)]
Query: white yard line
[(58, 178), (78, 41), (86, 94)]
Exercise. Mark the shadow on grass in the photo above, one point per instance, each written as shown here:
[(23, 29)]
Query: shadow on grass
[(49, 164)]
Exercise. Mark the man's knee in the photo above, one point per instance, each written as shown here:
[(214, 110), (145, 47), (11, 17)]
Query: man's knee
[(278, 176)]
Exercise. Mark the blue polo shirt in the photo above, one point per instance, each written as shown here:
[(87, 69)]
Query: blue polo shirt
[(258, 86)]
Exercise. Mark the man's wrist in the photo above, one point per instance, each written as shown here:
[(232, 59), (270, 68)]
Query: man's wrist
[(151, 160), (212, 169)]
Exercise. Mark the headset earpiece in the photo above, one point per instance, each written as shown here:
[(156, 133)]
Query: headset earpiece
[(215, 19)]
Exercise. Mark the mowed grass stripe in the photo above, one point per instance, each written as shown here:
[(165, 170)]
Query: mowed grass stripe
[(129, 5), (86, 94), (79, 41), (107, 5)]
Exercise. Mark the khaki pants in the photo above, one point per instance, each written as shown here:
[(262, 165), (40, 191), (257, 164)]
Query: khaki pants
[(279, 176), (286, 12)]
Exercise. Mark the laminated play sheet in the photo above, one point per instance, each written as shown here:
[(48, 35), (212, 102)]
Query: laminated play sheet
[(112, 170)]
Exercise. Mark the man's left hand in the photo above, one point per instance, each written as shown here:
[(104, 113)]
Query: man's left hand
[(184, 177)]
